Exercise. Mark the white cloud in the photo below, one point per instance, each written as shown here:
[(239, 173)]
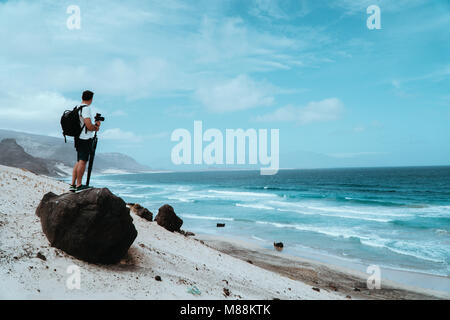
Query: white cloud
[(405, 87), (118, 134), (37, 106), (228, 40), (236, 94), (279, 9), (175, 49), (262, 8), (324, 110), (34, 112), (441, 74)]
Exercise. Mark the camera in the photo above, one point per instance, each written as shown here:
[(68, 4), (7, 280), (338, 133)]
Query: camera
[(98, 117)]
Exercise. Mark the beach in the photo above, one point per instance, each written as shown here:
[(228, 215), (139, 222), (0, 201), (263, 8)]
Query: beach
[(330, 277), (181, 262), (193, 267)]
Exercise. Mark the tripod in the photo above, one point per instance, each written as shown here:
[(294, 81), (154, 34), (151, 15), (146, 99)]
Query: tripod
[(91, 158)]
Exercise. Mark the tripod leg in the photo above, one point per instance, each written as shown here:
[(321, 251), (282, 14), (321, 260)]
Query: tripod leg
[(91, 159)]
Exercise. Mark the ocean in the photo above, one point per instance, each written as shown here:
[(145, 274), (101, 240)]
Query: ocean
[(391, 217)]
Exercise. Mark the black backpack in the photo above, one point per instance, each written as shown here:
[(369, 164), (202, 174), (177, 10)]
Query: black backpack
[(70, 122)]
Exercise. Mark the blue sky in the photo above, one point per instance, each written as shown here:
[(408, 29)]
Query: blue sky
[(341, 94)]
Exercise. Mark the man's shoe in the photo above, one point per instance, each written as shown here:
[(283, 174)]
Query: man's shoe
[(72, 188), (82, 188)]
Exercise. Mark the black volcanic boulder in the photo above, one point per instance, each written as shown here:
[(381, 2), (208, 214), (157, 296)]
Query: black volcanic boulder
[(142, 212), (167, 218), (93, 225)]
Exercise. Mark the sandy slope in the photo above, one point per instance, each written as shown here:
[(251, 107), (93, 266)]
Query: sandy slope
[(180, 262)]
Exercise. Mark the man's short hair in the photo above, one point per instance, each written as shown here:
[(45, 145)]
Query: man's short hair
[(87, 95)]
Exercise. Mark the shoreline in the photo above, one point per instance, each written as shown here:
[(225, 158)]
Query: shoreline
[(324, 275)]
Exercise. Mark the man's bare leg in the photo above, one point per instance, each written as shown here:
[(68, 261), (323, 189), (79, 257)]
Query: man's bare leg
[(74, 173), (81, 167)]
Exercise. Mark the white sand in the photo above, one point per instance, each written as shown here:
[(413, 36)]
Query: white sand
[(181, 262)]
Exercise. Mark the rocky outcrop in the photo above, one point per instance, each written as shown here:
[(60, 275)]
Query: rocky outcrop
[(93, 225), (167, 218), (142, 212)]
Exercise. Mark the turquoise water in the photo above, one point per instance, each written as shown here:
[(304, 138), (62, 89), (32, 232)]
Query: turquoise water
[(393, 217)]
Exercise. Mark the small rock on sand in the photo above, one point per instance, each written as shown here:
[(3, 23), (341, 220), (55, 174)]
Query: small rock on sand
[(142, 212), (41, 256), (167, 218)]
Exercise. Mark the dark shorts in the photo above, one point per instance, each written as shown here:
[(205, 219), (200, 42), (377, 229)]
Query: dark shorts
[(84, 148)]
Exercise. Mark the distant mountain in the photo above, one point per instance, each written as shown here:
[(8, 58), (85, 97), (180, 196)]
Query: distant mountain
[(60, 157), (118, 161), (13, 155)]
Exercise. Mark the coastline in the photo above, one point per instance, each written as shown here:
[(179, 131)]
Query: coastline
[(324, 275), (210, 263)]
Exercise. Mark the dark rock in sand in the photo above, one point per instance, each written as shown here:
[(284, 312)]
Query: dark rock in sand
[(93, 225), (158, 278), (316, 289), (186, 233), (167, 218), (278, 245), (142, 212), (41, 256)]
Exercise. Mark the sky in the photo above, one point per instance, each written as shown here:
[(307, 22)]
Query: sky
[(341, 94)]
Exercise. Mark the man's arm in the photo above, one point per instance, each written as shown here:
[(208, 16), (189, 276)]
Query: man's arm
[(90, 126)]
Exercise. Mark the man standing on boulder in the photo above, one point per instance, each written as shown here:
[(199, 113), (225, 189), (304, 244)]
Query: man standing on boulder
[(83, 143)]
